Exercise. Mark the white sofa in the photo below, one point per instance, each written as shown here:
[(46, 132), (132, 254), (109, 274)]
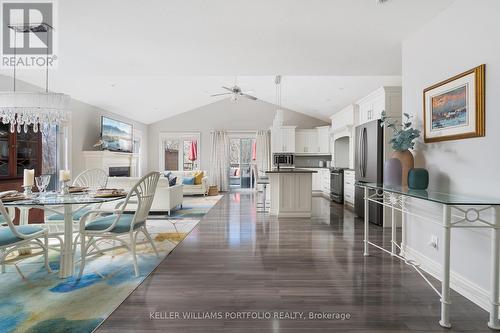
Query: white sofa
[(166, 197), (200, 189)]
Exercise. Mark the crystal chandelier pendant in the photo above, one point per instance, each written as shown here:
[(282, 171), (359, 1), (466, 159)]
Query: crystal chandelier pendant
[(23, 109)]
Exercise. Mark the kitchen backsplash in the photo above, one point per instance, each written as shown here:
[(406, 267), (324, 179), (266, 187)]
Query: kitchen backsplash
[(310, 161)]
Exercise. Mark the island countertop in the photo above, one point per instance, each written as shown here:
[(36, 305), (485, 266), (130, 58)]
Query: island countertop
[(290, 170)]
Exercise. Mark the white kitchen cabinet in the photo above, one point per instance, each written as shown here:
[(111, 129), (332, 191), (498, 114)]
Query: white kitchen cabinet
[(323, 134), (325, 181), (316, 179), (349, 179), (306, 141), (283, 139), (383, 99)]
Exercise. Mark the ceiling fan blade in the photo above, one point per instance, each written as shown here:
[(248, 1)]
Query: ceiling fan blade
[(231, 90), (215, 95), (249, 96)]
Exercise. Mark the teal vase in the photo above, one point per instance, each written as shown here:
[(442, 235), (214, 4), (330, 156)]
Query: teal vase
[(418, 179)]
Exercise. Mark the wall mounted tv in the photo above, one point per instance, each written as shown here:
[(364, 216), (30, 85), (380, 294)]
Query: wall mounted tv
[(116, 135)]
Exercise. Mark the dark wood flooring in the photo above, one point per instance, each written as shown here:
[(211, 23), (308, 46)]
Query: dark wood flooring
[(240, 260)]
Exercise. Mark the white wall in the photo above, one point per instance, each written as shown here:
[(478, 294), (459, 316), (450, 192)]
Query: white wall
[(86, 125), (463, 36), (242, 115)]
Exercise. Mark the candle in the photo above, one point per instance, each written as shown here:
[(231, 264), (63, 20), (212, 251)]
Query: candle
[(64, 175), (29, 177)]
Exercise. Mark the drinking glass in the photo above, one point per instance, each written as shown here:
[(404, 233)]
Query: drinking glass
[(42, 182)]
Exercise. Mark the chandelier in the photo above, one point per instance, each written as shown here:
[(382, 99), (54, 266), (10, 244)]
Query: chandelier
[(22, 109)]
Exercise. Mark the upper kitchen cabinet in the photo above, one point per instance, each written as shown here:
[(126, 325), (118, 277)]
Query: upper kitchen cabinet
[(313, 141), (306, 141), (323, 139), (283, 139), (386, 99)]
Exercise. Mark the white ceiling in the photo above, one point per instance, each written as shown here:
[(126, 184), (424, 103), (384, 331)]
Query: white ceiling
[(150, 59)]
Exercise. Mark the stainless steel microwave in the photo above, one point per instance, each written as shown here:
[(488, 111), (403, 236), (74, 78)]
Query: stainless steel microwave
[(284, 160)]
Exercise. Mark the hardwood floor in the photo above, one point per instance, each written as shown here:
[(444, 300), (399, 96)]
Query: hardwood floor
[(240, 260)]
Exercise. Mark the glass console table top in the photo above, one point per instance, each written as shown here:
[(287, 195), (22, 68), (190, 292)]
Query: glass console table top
[(57, 199), (435, 196)]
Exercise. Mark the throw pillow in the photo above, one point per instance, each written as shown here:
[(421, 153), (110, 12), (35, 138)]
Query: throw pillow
[(167, 174), (198, 176), (172, 181), (188, 181)]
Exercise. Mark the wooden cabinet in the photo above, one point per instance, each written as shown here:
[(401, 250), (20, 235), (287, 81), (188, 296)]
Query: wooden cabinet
[(283, 139), (19, 151), (349, 179)]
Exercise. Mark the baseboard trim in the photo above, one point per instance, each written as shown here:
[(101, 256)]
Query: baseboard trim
[(458, 283)]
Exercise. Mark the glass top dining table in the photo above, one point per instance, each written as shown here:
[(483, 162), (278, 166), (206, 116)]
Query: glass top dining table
[(58, 199), (69, 204)]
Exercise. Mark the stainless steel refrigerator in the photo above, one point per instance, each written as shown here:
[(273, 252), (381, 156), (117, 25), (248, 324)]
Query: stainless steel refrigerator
[(368, 166)]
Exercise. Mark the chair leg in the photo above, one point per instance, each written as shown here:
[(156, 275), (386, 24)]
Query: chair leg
[(83, 253), (134, 257), (148, 236), (2, 260), (46, 253)]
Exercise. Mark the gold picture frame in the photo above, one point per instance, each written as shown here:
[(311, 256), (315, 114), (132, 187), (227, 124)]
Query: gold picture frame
[(454, 109)]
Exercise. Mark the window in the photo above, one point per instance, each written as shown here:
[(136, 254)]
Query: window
[(180, 151)]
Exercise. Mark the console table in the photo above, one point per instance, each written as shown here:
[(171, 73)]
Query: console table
[(471, 211)]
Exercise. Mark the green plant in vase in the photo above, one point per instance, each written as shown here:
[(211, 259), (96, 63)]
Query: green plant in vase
[(403, 139), (403, 134)]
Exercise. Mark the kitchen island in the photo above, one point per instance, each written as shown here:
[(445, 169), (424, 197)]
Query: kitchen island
[(291, 192)]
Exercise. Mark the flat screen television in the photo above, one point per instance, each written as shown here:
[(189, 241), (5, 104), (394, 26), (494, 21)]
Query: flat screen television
[(116, 135)]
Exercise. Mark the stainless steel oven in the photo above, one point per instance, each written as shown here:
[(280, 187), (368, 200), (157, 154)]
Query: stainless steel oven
[(283, 160)]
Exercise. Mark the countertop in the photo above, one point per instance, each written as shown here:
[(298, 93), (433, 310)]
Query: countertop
[(290, 170)]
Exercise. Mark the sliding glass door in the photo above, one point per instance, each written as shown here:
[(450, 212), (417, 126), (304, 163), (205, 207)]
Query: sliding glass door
[(241, 158)]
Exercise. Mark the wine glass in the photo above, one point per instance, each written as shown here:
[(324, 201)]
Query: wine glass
[(42, 182)]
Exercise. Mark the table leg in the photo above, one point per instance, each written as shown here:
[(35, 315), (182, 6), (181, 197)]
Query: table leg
[(24, 220), (493, 323), (445, 283), (366, 202), (393, 231), (67, 263), (403, 227)]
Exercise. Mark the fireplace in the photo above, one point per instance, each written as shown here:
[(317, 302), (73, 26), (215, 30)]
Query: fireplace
[(119, 171)]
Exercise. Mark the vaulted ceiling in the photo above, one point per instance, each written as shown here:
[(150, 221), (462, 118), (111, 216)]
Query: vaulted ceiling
[(151, 59)]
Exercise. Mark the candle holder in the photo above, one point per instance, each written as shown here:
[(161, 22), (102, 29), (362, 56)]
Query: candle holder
[(28, 190), (65, 187)]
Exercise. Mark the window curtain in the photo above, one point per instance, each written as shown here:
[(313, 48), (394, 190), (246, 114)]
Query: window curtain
[(219, 161), (263, 144)]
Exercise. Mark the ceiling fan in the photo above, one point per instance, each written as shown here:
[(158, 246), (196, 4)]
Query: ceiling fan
[(235, 91)]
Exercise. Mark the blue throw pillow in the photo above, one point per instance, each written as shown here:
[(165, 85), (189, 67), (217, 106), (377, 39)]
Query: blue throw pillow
[(167, 174), (188, 181), (172, 181)]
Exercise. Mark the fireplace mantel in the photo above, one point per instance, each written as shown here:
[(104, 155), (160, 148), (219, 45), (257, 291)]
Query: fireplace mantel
[(104, 159)]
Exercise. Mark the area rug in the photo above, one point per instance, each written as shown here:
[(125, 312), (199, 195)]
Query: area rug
[(44, 303)]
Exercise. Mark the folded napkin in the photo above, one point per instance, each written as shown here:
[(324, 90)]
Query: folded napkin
[(110, 192), (11, 196), (76, 189)]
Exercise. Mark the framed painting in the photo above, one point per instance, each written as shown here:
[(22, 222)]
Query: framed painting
[(454, 108)]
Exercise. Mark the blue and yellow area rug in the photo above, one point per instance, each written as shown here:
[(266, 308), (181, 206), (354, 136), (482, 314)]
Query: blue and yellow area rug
[(42, 302)]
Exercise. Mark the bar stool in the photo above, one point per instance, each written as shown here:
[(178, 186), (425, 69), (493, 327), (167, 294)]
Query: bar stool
[(264, 181)]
